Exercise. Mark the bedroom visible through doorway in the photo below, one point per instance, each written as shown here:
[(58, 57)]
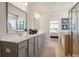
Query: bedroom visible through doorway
[(54, 30)]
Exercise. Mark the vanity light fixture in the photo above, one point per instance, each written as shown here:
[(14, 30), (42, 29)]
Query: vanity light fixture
[(36, 15)]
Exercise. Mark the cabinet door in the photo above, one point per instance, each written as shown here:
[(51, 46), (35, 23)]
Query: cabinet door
[(31, 47), (22, 49), (9, 49), (39, 41), (21, 52), (0, 49), (36, 46), (31, 50)]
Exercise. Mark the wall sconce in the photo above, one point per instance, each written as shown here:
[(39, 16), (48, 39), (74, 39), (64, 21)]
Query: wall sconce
[(26, 3), (36, 20), (36, 15)]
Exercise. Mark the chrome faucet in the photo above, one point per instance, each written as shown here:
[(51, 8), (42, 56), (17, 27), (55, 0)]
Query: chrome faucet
[(20, 34)]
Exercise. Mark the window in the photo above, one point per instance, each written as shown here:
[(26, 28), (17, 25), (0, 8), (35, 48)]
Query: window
[(54, 26), (20, 25)]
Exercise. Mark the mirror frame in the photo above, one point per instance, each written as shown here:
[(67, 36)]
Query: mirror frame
[(7, 14)]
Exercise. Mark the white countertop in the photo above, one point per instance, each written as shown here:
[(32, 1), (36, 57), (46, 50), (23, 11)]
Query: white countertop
[(16, 38)]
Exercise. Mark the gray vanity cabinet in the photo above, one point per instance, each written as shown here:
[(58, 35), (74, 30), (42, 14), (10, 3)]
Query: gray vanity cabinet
[(9, 49), (0, 49), (31, 47)]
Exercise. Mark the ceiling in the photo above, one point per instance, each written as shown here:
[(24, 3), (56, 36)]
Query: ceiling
[(50, 6)]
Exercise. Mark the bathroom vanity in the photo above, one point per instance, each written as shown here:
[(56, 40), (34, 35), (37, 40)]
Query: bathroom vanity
[(24, 46), (17, 45)]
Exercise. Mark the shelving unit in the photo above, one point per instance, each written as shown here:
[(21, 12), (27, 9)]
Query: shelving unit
[(64, 23)]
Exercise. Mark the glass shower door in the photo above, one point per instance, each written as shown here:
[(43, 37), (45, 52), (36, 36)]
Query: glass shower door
[(74, 31)]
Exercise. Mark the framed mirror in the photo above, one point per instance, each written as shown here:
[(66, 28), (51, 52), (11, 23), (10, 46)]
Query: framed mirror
[(16, 19)]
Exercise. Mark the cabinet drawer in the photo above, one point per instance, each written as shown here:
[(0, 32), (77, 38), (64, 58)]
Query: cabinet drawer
[(21, 45), (31, 40)]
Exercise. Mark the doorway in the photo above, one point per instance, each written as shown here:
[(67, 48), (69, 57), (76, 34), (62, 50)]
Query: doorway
[(54, 29)]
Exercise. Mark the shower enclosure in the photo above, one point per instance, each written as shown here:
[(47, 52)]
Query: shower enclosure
[(74, 30)]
